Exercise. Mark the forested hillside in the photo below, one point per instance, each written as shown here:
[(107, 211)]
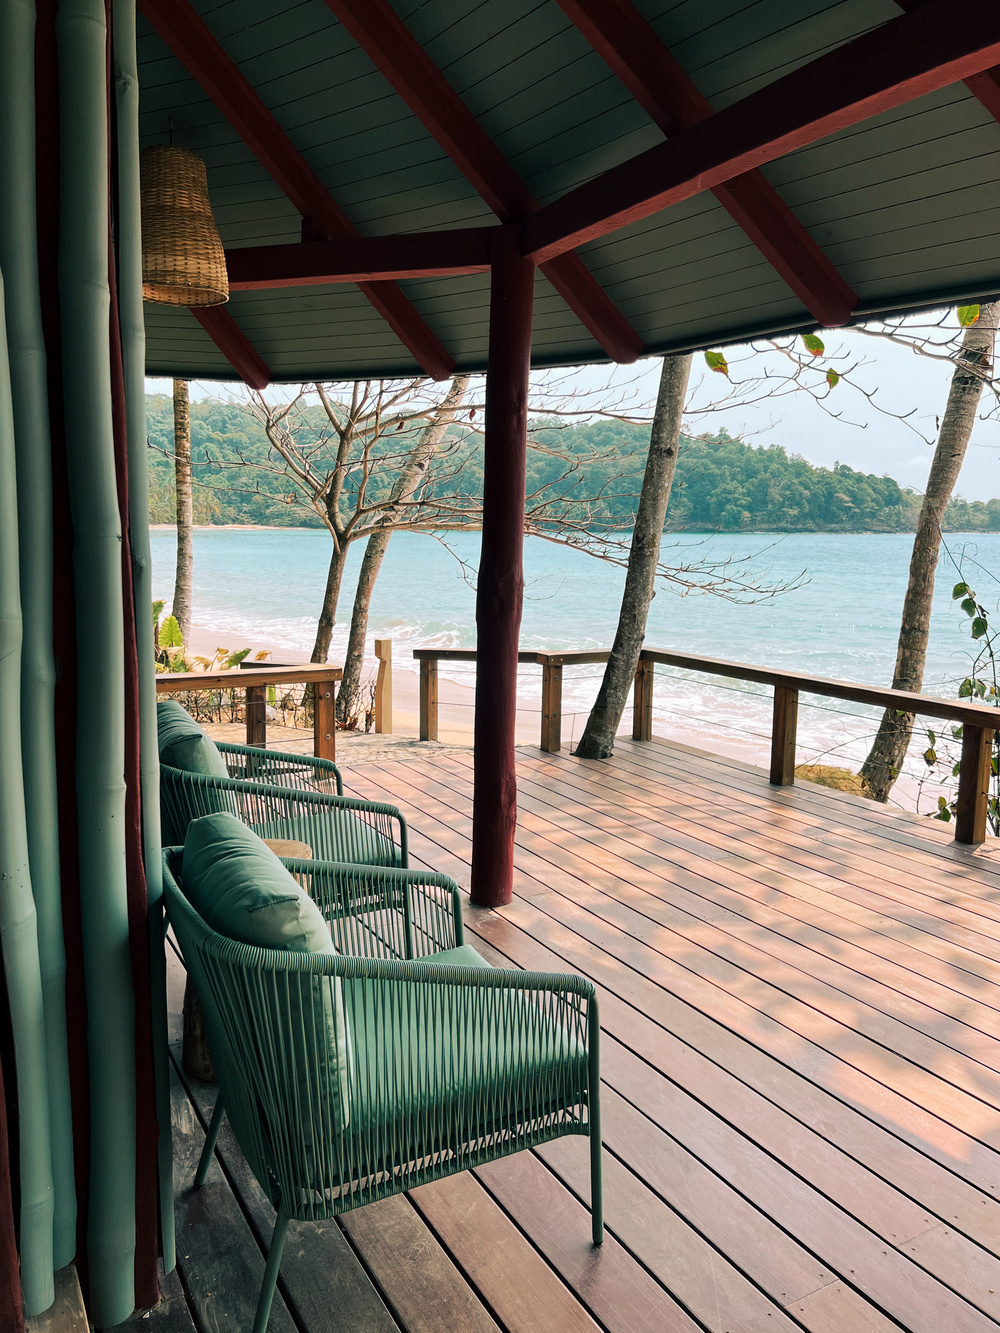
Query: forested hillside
[(590, 472)]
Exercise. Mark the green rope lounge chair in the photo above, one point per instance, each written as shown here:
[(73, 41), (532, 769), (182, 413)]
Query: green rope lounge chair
[(278, 795), (376, 1050)]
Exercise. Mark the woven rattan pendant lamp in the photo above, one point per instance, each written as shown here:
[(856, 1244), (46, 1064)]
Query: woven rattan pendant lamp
[(183, 262)]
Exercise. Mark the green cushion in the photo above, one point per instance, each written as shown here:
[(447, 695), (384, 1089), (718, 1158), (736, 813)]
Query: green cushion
[(183, 744), (239, 887), (335, 835), (443, 1067)]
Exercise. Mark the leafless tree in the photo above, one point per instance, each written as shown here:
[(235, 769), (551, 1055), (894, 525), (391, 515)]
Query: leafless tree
[(403, 490)]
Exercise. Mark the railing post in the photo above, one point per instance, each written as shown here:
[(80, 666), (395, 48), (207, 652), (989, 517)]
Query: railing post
[(256, 703), (642, 701), (783, 730), (551, 740), (974, 785), (383, 687), (428, 699), (324, 721)]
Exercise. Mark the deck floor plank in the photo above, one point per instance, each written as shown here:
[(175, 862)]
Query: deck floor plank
[(801, 1070), (638, 887), (689, 971)]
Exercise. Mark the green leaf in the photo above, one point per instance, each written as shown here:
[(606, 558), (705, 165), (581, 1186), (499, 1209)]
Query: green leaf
[(979, 627), (969, 607), (981, 688), (930, 758), (930, 736), (717, 362), (170, 634), (957, 733), (967, 314), (954, 773), (960, 590), (234, 659), (832, 378), (813, 344), (965, 689)]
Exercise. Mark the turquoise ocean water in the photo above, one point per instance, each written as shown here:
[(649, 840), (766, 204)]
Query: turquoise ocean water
[(842, 622)]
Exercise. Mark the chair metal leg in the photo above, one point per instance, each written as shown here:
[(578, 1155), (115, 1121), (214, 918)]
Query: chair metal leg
[(594, 1113), (271, 1272), (211, 1139)]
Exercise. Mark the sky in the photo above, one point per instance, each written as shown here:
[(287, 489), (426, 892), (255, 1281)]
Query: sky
[(881, 417)]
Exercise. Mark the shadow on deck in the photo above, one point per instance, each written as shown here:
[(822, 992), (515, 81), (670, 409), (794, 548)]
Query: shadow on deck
[(801, 1062)]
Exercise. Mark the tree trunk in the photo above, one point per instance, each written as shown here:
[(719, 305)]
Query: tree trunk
[(350, 686), (331, 595), (598, 739), (885, 759), (404, 488), (184, 577)]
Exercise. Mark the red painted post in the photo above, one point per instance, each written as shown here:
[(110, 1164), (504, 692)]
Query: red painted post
[(501, 577)]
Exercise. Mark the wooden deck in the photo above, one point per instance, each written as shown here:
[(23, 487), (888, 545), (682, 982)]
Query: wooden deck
[(801, 1062)]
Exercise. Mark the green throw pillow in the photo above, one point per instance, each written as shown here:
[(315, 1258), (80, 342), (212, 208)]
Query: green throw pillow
[(238, 886), (183, 744)]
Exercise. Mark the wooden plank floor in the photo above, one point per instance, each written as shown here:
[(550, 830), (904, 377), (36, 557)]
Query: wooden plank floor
[(800, 1000)]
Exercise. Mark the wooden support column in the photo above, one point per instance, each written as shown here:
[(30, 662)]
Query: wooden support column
[(428, 699), (783, 730), (256, 704), (974, 785), (501, 575), (551, 740), (324, 721), (642, 701)]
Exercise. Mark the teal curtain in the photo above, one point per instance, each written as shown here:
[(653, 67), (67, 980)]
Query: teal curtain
[(84, 1118)]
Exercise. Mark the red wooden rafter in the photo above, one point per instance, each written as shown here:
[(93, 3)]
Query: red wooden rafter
[(393, 49), (630, 47), (942, 42), (234, 345), (191, 41)]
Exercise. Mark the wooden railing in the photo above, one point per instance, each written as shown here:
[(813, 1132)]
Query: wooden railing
[(551, 664), (978, 721), (255, 680)]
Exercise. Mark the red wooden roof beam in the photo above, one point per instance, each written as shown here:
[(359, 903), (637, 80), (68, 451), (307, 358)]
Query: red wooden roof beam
[(632, 50), (361, 259), (942, 42), (189, 38), (394, 51), (985, 85)]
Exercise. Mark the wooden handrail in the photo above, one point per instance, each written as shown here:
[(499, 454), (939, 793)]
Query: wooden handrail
[(255, 680), (979, 721), (903, 701)]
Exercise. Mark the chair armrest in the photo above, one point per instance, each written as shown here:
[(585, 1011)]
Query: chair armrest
[(277, 766), (382, 912), (337, 828)]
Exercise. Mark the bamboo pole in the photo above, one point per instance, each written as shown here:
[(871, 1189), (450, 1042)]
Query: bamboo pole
[(27, 356), (18, 925), (501, 571), (84, 291), (133, 333)]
